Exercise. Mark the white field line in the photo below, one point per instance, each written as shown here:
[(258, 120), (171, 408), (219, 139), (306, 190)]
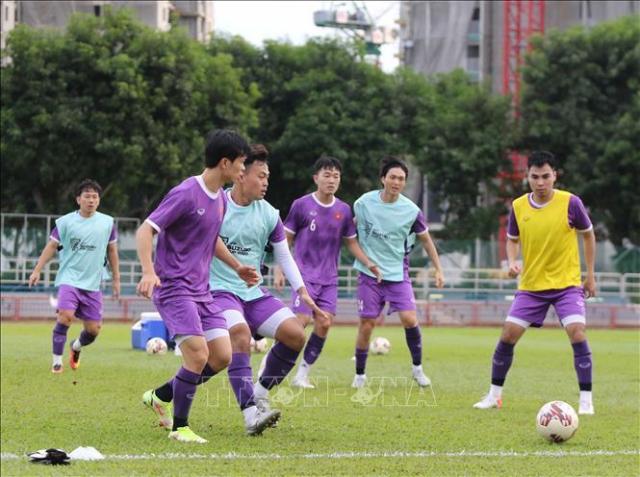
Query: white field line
[(356, 455)]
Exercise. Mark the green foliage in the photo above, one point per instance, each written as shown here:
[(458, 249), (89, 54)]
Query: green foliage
[(399, 431), (112, 100), (458, 134), (581, 100)]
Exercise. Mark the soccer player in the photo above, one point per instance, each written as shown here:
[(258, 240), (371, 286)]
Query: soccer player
[(188, 222), (545, 224), (250, 225), (387, 225), (319, 223), (83, 238)]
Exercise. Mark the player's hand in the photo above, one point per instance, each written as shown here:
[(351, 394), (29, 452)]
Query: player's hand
[(115, 288), (514, 269), (439, 279), (278, 279), (248, 274), (373, 268), (34, 278), (147, 283), (304, 296), (589, 286)]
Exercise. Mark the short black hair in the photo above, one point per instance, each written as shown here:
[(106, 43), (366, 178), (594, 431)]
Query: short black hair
[(389, 162), (257, 153), (86, 185), (540, 158), (223, 143), (327, 162)]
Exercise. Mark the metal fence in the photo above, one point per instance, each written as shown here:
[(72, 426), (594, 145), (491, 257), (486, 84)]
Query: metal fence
[(471, 284)]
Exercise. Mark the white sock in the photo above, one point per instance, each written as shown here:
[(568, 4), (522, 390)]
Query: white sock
[(57, 359), (249, 414), (260, 392), (76, 346), (417, 369), (586, 397), (303, 370), (495, 391)]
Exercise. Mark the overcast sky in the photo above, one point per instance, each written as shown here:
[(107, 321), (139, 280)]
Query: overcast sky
[(292, 21)]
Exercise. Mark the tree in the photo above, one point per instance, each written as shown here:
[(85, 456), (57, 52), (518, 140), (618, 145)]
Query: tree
[(113, 100), (457, 132), (581, 100)]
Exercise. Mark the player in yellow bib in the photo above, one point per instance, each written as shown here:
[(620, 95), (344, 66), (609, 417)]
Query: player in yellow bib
[(545, 225)]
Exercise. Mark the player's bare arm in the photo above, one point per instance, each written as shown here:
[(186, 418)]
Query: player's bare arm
[(144, 242), (589, 240), (114, 263), (430, 248), (47, 254), (513, 249), (354, 247)]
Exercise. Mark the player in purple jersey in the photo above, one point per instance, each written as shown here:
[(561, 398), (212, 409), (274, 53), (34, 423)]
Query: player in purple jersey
[(87, 236), (387, 222), (320, 223), (187, 222), (545, 225)]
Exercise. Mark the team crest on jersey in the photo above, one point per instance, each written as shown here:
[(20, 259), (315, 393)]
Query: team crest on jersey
[(313, 213), (338, 216), (200, 211)]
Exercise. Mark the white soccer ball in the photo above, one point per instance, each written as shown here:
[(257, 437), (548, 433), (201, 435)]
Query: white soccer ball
[(259, 346), (557, 421), (380, 345), (156, 346)]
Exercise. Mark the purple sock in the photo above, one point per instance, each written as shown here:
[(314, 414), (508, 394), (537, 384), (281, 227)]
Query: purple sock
[(414, 342), (241, 379), (184, 390), (59, 338), (165, 392), (502, 359), (86, 338), (280, 360), (313, 348), (583, 364), (361, 360)]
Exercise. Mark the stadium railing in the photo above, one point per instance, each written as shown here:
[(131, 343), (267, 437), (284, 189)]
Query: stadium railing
[(475, 297)]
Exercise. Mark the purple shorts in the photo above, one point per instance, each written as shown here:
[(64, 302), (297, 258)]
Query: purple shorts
[(185, 317), (263, 315), (530, 308), (86, 305), (373, 295), (325, 296)]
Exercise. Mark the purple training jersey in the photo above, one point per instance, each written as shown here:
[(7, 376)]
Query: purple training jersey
[(319, 230), (188, 222)]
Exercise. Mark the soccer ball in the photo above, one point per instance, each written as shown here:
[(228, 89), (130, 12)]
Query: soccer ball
[(259, 346), (557, 421), (380, 345), (156, 346)]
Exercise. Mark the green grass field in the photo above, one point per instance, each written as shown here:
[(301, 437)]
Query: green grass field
[(393, 429)]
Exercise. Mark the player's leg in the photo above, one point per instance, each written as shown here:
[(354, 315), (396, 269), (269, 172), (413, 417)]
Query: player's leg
[(67, 304), (401, 299), (370, 304), (270, 317), (183, 322), (326, 299), (527, 309), (89, 310), (365, 329), (570, 308), (413, 337)]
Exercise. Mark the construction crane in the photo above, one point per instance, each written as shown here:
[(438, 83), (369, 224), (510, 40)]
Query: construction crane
[(354, 19)]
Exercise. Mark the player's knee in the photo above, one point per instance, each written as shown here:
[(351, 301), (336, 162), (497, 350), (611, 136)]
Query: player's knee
[(240, 337), (220, 360), (322, 326), (94, 328), (65, 317)]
